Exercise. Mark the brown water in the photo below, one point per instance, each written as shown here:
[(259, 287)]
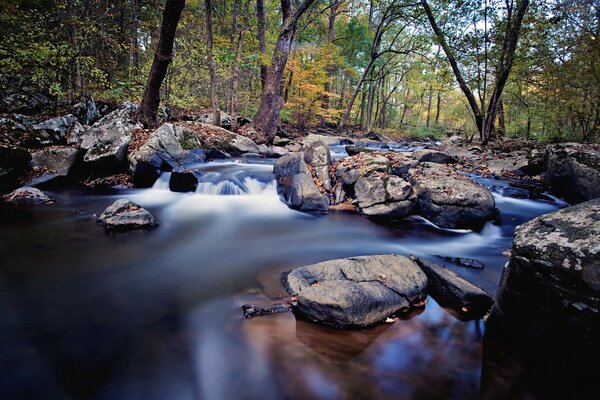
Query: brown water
[(156, 314)]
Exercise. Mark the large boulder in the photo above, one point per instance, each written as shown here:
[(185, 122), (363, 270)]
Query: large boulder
[(349, 169), (433, 156), (210, 137), (449, 199), (296, 186), (551, 285), (59, 160), (357, 291), (124, 214), (27, 196), (161, 152), (107, 140), (381, 195), (573, 171), (51, 132), (451, 290), (317, 155)]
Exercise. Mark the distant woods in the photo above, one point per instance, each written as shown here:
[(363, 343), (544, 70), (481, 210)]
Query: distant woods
[(484, 68)]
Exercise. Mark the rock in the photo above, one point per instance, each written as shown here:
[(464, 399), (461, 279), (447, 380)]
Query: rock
[(251, 311), (161, 152), (357, 291), (451, 200), (550, 290), (378, 137), (18, 95), (51, 132), (515, 166), (211, 137), (271, 151), (107, 140), (75, 134), (339, 195), (573, 171), (317, 155), (12, 124), (279, 141), (13, 158), (217, 155), (433, 156), (86, 111), (126, 215), (381, 195), (27, 195), (207, 118), (402, 163), (451, 290), (251, 155), (352, 150), (183, 180), (293, 147), (464, 262), (326, 140), (192, 157), (60, 160), (296, 186), (350, 169)]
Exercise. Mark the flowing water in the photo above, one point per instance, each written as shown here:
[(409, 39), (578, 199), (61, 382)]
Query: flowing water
[(86, 313)]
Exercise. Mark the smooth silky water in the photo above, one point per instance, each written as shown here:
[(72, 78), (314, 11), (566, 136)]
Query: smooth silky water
[(86, 313)]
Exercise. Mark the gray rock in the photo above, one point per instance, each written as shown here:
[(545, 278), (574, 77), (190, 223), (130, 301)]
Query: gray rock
[(451, 290), (221, 139), (318, 156), (207, 118), (550, 290), (433, 156), (280, 142), (352, 150), (350, 169), (75, 134), (61, 160), (296, 186), (107, 140), (357, 291), (53, 131), (326, 140), (217, 155), (86, 111), (451, 200), (12, 124), (272, 151), (380, 195), (126, 215), (161, 152), (573, 171), (27, 195)]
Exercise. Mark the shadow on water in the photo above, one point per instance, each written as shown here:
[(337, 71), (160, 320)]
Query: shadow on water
[(155, 314)]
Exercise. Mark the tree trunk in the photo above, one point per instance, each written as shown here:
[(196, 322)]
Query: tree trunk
[(405, 106), (162, 58), (438, 107), (346, 114), (235, 71), (262, 44), (370, 106), (214, 103), (501, 119), (429, 106), (267, 116)]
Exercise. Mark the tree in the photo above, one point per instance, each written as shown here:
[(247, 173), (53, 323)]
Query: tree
[(214, 103), (484, 119), (162, 58), (267, 116)]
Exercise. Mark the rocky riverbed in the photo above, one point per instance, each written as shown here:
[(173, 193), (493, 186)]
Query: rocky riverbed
[(367, 241)]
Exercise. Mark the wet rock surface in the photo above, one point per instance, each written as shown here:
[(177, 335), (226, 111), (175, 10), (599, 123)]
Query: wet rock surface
[(124, 215), (451, 290), (357, 291), (60, 160), (183, 180)]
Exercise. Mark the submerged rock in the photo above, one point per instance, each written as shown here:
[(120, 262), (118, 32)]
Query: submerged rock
[(27, 195), (296, 186), (124, 214), (107, 140), (573, 171), (357, 291), (380, 195), (451, 290), (451, 200)]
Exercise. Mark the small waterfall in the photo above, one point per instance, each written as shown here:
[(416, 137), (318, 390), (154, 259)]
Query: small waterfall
[(249, 186), (162, 183)]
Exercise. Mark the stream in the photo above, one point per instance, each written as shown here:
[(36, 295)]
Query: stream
[(86, 313)]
